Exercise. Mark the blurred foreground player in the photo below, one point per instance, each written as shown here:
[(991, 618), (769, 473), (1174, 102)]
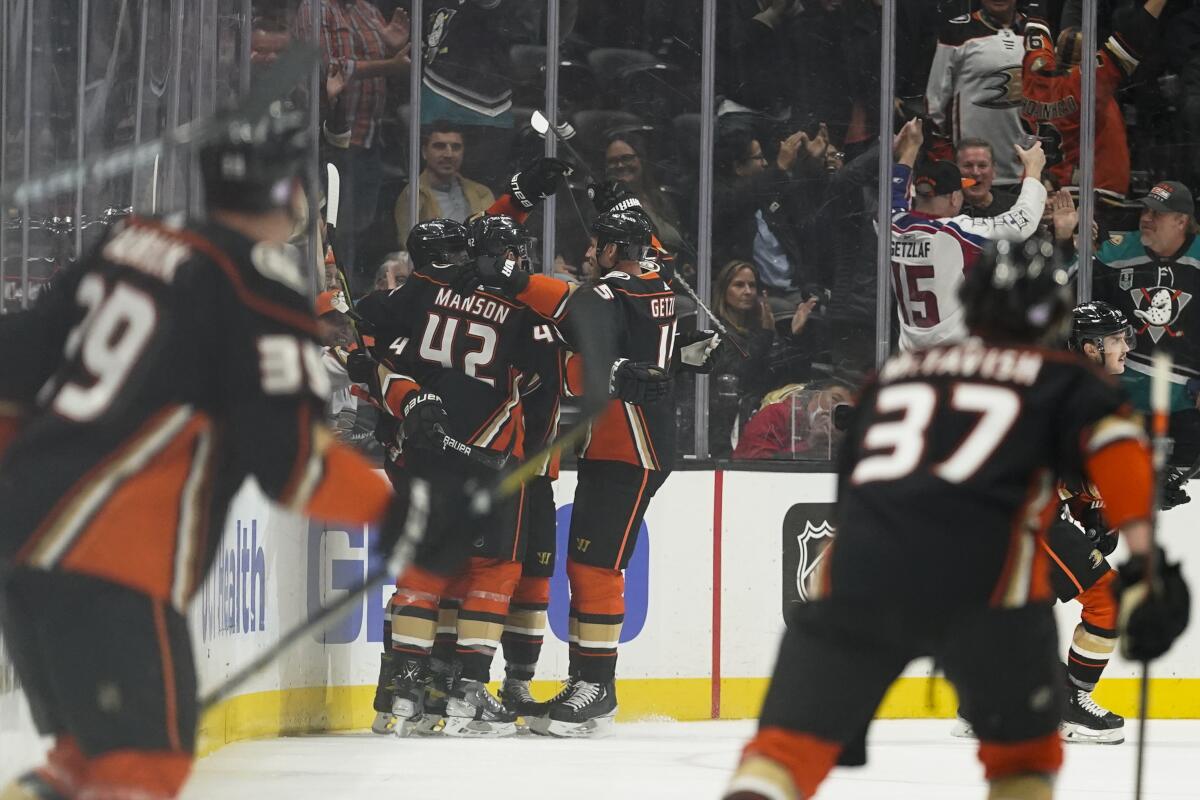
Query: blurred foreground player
[(906, 578), (180, 360)]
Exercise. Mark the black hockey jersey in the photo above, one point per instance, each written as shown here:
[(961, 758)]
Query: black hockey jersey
[(477, 352), (949, 473), (185, 360)]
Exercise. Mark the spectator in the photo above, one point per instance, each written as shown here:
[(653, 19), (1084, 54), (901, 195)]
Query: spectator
[(753, 52), (757, 358), (353, 421), (797, 422), (977, 163), (624, 161), (755, 208), (443, 191), (974, 88), (1150, 275), (393, 272), (360, 51), (817, 37)]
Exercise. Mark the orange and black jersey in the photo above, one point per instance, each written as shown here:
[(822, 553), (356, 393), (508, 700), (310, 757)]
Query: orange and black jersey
[(632, 316), (188, 361), (1052, 103), (479, 352), (948, 476)]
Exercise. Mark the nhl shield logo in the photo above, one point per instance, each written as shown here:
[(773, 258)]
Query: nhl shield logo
[(1158, 308), (1125, 280), (807, 534)]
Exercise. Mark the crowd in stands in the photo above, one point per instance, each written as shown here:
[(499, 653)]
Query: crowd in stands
[(796, 156)]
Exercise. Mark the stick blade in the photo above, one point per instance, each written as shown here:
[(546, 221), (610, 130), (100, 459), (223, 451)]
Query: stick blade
[(333, 191), (539, 122)]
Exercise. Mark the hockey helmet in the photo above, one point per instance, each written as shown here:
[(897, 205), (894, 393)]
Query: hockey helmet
[(437, 244), (1018, 291), (630, 230), (1094, 321), (494, 236), (252, 166)]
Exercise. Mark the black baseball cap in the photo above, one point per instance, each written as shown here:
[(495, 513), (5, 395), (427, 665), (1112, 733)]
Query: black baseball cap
[(1170, 196), (939, 177)]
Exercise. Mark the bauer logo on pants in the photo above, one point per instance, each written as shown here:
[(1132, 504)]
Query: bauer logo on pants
[(807, 534)]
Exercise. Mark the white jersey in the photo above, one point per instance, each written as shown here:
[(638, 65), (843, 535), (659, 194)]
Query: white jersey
[(974, 88), (932, 255)]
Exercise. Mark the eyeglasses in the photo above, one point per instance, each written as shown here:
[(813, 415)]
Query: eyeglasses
[(627, 160), (756, 157)]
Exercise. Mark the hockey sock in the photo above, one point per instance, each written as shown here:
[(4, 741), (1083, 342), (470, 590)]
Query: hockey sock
[(415, 611), (597, 613), (142, 774), (525, 627), (1095, 636), (1009, 761), (489, 587), (783, 763), (1021, 787)]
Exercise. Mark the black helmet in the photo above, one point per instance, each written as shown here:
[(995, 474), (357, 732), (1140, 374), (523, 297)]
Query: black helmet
[(252, 166), (1096, 320), (437, 243), (631, 231), (1018, 292), (493, 236)]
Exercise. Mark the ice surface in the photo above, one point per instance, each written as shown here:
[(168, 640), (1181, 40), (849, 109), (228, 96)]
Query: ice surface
[(910, 760)]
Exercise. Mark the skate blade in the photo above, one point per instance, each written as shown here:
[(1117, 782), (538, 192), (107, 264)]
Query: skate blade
[(962, 730), (1074, 733), (466, 728), (406, 727), (538, 726), (597, 728), (384, 723), (430, 725)]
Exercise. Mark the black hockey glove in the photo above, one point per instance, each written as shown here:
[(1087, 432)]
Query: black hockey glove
[(696, 351), (361, 367), (424, 420), (1151, 615), (538, 181), (1174, 491), (638, 383), (506, 277), (612, 196)]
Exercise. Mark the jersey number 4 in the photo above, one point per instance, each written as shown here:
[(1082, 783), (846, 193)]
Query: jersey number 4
[(904, 440), (437, 345)]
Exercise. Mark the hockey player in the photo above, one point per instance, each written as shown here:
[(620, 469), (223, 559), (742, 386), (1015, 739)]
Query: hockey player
[(179, 360), (935, 245), (905, 579), (625, 459), (1052, 101)]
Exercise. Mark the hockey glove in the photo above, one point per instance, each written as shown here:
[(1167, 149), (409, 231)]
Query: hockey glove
[(697, 351), (538, 181), (612, 196), (1174, 491), (1152, 613), (424, 420), (507, 277), (360, 367), (638, 383)]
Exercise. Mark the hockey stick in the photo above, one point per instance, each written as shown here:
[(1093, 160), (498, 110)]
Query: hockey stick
[(1160, 407), (275, 83), (542, 126)]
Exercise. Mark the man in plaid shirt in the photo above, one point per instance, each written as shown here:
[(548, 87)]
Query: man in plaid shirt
[(360, 50)]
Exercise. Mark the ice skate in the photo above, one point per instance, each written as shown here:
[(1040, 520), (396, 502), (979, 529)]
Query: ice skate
[(384, 721), (1087, 722), (517, 697), (588, 712), (408, 696), (440, 685), (540, 723), (962, 729), (474, 712)]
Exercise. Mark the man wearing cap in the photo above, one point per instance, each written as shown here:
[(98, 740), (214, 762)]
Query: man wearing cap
[(1153, 277), (935, 244)]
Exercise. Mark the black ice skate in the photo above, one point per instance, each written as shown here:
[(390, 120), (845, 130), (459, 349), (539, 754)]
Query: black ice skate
[(1087, 722), (408, 695), (587, 712), (441, 683), (474, 712), (384, 722), (540, 723), (517, 697)]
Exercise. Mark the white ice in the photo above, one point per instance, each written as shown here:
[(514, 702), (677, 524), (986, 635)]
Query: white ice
[(909, 760)]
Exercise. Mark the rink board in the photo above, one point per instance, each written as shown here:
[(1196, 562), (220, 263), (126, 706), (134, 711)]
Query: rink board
[(689, 652)]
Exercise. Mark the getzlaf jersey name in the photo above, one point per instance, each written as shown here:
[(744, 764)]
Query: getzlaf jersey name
[(948, 475), (478, 352)]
